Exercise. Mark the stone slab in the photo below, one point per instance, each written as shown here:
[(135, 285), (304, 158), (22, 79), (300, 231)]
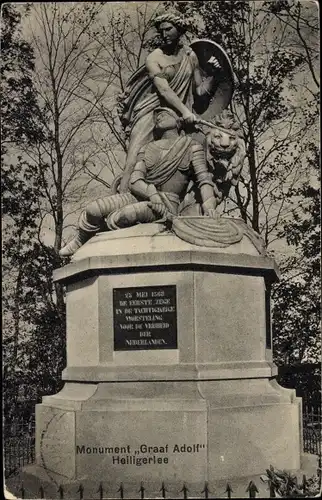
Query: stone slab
[(89, 429), (220, 318), (251, 438), (168, 372), (166, 261), (134, 440), (143, 246), (230, 322), (153, 237), (212, 391), (55, 448)]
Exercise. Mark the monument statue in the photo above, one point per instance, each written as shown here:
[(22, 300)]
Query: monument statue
[(172, 77), (158, 183)]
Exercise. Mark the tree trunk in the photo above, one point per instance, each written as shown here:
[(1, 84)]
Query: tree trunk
[(59, 233), (59, 219), (253, 180)]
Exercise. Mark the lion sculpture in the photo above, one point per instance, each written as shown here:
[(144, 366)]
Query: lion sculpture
[(225, 149), (226, 153)]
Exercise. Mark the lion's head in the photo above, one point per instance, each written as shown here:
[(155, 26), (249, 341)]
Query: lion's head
[(226, 153), (226, 138)]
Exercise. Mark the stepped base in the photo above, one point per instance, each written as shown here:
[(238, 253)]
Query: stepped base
[(169, 371), (181, 431)]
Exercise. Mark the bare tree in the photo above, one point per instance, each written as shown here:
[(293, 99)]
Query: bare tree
[(302, 22), (71, 89)]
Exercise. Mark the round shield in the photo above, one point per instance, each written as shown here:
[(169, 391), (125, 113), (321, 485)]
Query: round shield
[(214, 61)]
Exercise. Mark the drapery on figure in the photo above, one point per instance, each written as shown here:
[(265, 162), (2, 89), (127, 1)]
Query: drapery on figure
[(158, 183), (172, 79)]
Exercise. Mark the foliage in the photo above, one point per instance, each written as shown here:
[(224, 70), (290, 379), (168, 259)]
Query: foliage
[(297, 295), (287, 485), (305, 378), (28, 297), (20, 183), (20, 112), (302, 20)]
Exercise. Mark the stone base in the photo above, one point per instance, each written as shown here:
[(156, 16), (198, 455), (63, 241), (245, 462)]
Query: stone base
[(174, 432), (205, 407)]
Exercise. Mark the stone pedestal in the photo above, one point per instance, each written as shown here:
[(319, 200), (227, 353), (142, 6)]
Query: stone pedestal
[(202, 407)]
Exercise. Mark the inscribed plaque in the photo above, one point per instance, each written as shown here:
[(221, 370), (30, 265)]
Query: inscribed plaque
[(145, 318)]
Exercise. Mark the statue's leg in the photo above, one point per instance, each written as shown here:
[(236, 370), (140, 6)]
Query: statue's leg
[(98, 210), (136, 213), (140, 135), (92, 219)]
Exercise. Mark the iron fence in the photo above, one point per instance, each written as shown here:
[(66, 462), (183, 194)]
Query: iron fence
[(312, 430), (19, 441), (291, 487), (19, 446), (251, 489)]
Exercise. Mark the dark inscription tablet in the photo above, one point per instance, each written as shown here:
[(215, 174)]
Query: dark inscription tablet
[(145, 318)]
